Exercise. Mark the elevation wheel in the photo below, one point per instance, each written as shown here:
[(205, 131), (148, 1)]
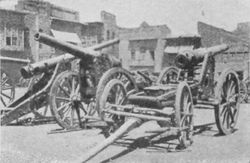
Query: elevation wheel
[(7, 89), (227, 92), (113, 93), (184, 114), (168, 75), (65, 101)]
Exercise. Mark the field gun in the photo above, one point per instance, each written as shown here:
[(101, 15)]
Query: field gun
[(75, 51), (62, 88), (190, 58), (172, 100)]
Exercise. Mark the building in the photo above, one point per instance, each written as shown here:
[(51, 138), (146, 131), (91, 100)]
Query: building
[(46, 8), (243, 30), (176, 44), (237, 55), (142, 47), (14, 47), (139, 48), (17, 29), (62, 23)]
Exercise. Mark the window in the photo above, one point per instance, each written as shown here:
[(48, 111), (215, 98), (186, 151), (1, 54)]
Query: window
[(133, 54), (40, 45), (113, 35), (152, 53), (89, 41), (142, 50), (13, 38), (8, 40), (108, 33)]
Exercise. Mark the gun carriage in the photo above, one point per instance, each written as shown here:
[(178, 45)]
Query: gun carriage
[(9, 78), (69, 93), (171, 101)]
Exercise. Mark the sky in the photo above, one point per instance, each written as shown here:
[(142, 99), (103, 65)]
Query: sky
[(180, 16)]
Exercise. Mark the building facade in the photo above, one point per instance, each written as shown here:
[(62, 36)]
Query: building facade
[(139, 48), (62, 23), (237, 55), (15, 51), (243, 30), (142, 47), (176, 44)]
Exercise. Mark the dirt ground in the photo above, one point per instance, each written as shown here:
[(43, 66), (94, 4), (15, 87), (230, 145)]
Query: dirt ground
[(33, 144)]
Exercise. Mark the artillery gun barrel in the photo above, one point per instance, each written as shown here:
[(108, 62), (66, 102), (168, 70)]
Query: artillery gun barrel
[(126, 127), (192, 57), (39, 67), (64, 46), (42, 66)]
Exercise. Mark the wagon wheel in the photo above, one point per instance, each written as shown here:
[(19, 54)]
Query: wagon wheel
[(7, 89), (65, 101), (226, 113), (114, 93), (115, 73), (243, 92), (248, 89), (184, 114), (168, 75)]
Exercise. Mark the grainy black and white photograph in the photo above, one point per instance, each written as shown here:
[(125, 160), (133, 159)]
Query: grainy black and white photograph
[(125, 81)]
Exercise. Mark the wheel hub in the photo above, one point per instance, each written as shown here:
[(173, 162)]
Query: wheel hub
[(74, 98)]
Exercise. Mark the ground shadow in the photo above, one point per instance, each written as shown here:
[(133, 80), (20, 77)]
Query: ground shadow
[(163, 144)]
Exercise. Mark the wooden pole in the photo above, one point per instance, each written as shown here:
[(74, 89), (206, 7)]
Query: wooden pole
[(127, 126)]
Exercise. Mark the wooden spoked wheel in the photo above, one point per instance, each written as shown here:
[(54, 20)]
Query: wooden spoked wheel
[(243, 92), (65, 101), (247, 82), (184, 114), (115, 73), (7, 89), (168, 75), (227, 92), (114, 93)]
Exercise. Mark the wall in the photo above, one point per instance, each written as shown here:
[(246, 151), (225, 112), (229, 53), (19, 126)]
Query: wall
[(238, 54), (180, 43), (13, 20), (46, 8), (143, 41), (12, 68), (110, 31)]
